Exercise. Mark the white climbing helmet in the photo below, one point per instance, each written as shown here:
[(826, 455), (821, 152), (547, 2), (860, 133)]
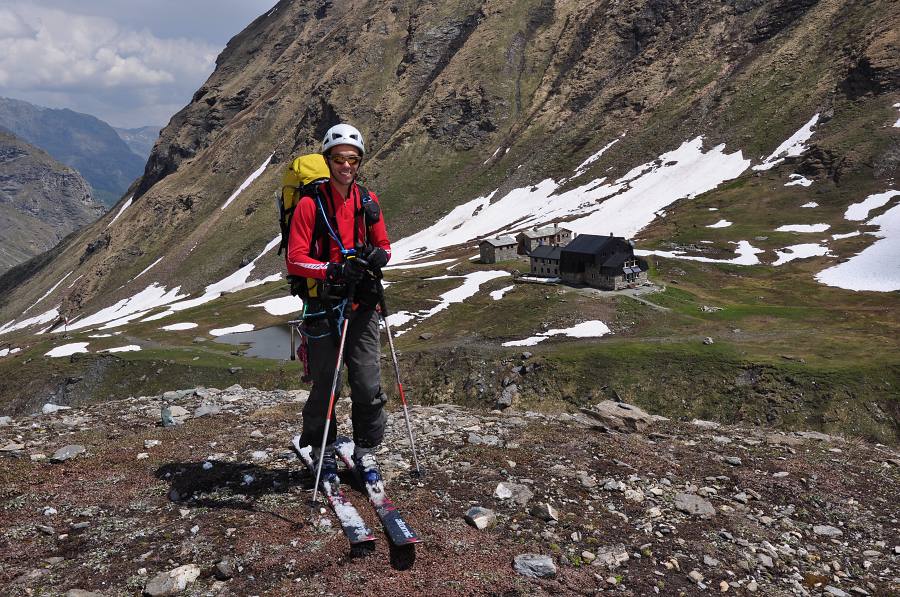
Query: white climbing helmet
[(343, 134)]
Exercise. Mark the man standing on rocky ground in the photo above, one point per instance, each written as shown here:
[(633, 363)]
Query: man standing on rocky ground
[(337, 242)]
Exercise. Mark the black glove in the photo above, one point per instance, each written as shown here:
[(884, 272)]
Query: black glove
[(344, 273), (375, 257)]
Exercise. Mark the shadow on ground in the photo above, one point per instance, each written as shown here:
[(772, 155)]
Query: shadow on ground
[(217, 484)]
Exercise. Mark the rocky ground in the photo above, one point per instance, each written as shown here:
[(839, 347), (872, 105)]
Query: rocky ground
[(105, 500)]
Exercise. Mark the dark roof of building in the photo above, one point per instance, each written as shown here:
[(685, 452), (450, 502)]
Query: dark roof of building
[(499, 241), (592, 249), (545, 252), (592, 244)]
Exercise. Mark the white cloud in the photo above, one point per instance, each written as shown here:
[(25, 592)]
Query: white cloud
[(93, 64)]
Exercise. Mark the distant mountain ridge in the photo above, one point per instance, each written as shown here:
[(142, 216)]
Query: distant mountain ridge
[(41, 201), (141, 139), (81, 141)]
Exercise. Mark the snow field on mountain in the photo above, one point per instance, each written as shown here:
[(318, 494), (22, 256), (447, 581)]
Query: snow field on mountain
[(285, 305), (623, 207), (67, 349), (241, 327), (249, 180), (875, 268), (122, 209)]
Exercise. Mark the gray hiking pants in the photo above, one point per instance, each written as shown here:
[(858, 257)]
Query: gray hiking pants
[(361, 353)]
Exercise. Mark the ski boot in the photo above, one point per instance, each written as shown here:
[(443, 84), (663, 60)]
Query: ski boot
[(365, 463)]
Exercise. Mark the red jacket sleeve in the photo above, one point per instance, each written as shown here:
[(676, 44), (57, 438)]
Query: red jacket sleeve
[(378, 232), (299, 263)]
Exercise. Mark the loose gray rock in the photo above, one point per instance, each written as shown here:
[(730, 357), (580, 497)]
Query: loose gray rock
[(234, 370), (12, 447), (708, 341), (426, 336), (481, 518), (508, 396), (693, 505), (483, 440), (67, 453), (827, 530), (621, 417), (733, 461), (535, 565), (207, 409), (4, 421), (544, 511), (172, 582), (515, 492), (81, 593), (224, 569), (612, 557), (832, 590)]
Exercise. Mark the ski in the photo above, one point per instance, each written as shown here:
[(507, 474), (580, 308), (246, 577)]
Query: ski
[(398, 531), (351, 522)]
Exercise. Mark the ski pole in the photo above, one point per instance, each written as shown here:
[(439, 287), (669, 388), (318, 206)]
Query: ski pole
[(334, 380), (387, 328)]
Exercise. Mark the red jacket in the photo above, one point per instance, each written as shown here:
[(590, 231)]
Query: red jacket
[(299, 262)]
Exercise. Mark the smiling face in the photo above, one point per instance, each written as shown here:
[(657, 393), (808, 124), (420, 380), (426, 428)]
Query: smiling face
[(343, 162)]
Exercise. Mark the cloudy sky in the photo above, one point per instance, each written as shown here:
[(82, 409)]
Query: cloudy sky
[(130, 62)]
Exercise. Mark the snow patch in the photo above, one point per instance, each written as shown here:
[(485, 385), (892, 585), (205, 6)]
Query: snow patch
[(67, 349), (160, 315), (43, 318), (175, 327), (151, 297), (876, 268), (125, 206), (746, 255), (470, 286), (810, 204), (129, 348), (846, 235), (46, 294), (801, 251), (248, 182), (8, 351), (147, 269), (418, 265), (803, 228), (798, 180), (498, 294), (585, 329), (584, 165), (793, 147), (284, 305), (720, 224), (860, 211), (242, 327)]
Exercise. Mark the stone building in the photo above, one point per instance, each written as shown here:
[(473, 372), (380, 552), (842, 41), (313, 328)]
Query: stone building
[(500, 248), (545, 261), (605, 262), (554, 236)]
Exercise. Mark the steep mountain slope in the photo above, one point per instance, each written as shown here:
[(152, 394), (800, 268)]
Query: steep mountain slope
[(78, 140), (140, 140), (41, 201), (634, 118)]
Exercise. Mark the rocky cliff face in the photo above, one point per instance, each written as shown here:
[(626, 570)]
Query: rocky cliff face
[(41, 201)]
